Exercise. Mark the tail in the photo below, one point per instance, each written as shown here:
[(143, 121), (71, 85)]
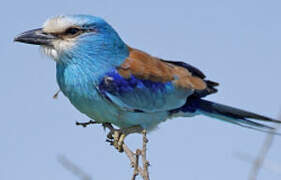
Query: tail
[(235, 116)]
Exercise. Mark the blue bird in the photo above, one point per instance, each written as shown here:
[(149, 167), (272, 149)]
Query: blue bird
[(111, 82)]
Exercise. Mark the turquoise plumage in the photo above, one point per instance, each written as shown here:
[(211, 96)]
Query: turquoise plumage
[(111, 82)]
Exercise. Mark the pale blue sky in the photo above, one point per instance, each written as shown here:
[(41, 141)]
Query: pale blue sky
[(236, 43)]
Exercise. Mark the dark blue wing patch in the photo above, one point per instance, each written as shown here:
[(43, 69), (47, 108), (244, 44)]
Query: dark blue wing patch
[(115, 84), (138, 94)]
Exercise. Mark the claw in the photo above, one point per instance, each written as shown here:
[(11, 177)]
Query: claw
[(116, 137), (109, 136)]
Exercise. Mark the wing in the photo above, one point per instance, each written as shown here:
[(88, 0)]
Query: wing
[(148, 84), (211, 85)]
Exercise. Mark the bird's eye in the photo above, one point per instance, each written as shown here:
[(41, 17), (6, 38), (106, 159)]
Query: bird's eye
[(72, 31)]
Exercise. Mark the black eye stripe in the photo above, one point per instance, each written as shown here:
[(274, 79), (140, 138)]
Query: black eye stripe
[(72, 31)]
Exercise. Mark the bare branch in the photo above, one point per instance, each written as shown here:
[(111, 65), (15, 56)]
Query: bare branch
[(269, 165), (133, 157), (130, 155), (74, 169), (136, 166), (133, 161), (85, 124), (258, 163), (145, 163)]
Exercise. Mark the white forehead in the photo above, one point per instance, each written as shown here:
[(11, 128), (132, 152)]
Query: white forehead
[(57, 24)]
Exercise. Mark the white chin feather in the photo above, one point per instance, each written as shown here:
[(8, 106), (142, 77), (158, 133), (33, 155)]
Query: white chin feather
[(58, 47), (50, 51)]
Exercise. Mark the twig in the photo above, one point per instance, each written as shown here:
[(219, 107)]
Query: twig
[(145, 163), (74, 169), (55, 96), (85, 124), (130, 155), (133, 157), (262, 155), (136, 166), (269, 165)]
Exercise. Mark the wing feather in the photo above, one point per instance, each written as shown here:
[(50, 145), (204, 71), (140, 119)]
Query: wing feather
[(147, 84)]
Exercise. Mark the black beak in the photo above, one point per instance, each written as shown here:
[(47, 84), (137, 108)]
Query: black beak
[(35, 36)]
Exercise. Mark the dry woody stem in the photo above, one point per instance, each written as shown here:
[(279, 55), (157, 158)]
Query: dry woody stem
[(134, 157)]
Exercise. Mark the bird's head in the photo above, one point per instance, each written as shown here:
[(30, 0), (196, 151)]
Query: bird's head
[(74, 36)]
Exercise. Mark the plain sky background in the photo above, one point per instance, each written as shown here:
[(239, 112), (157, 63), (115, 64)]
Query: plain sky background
[(236, 43)]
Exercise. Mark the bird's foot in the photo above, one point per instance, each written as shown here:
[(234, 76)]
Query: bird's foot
[(116, 137)]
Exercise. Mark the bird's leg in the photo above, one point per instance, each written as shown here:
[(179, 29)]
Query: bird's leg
[(125, 132), (111, 130), (113, 134), (116, 136)]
